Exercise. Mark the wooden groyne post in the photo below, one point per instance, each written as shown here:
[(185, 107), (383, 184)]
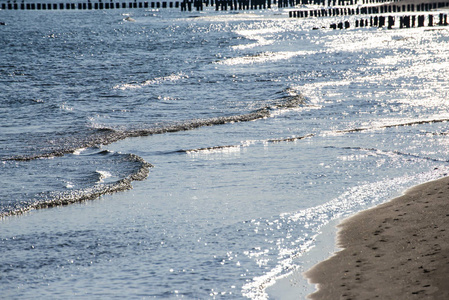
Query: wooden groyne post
[(407, 21), (89, 5), (184, 5), (343, 10)]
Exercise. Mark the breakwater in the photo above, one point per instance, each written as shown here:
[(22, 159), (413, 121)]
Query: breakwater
[(382, 14), (333, 7), (407, 21), (366, 10), (88, 5), (185, 5)]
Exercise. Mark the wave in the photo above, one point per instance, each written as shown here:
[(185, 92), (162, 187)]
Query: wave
[(102, 181), (261, 58), (243, 144), (209, 149), (103, 175), (291, 139), (294, 100), (105, 184), (155, 81), (103, 135), (411, 123), (134, 167), (392, 152)]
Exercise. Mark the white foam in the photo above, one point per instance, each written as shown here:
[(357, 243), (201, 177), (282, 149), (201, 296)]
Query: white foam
[(154, 81), (262, 58), (103, 175), (79, 151)]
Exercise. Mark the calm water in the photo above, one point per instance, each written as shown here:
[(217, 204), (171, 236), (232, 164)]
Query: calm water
[(215, 145)]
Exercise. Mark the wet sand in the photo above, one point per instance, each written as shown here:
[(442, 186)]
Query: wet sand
[(397, 250)]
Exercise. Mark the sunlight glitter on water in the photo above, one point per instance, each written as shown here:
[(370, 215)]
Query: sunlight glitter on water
[(262, 58), (287, 129)]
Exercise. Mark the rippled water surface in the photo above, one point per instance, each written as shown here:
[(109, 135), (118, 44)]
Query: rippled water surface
[(205, 151)]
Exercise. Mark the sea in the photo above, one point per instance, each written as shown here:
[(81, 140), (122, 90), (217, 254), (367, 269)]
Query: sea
[(155, 153)]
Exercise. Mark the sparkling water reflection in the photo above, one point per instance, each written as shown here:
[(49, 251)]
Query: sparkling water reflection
[(261, 132)]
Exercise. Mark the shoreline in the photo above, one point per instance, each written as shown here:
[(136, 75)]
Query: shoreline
[(396, 250)]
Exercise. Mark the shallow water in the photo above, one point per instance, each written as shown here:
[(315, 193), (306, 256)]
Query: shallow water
[(256, 131)]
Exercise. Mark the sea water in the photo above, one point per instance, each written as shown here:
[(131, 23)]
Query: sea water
[(202, 153)]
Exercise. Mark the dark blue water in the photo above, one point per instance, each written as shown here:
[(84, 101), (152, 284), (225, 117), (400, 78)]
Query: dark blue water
[(206, 151)]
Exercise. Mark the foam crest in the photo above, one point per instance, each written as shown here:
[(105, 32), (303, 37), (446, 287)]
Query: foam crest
[(215, 149), (79, 151), (390, 153), (103, 175), (392, 125), (104, 135), (221, 148), (261, 58), (80, 187), (155, 81)]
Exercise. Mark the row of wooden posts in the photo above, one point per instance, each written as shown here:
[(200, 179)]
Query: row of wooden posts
[(365, 10), (340, 2), (389, 21), (238, 5), (228, 4), (87, 5), (254, 4), (355, 2), (184, 5)]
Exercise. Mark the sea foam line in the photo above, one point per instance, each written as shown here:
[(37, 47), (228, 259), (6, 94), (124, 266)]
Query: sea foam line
[(154, 81), (261, 58), (105, 135), (91, 193)]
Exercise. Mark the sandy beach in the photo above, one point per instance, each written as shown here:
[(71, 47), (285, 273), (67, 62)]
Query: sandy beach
[(397, 250)]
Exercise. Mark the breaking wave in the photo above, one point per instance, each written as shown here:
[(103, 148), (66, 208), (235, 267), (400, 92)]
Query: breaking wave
[(351, 130), (411, 123), (155, 81), (104, 181), (69, 180), (103, 135), (262, 58)]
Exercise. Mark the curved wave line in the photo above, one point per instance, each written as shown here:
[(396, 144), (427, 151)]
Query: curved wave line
[(208, 148), (89, 193), (105, 136), (292, 139), (394, 125), (386, 152)]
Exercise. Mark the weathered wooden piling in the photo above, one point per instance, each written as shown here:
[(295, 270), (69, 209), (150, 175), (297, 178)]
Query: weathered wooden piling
[(443, 20), (342, 8), (421, 19), (390, 22), (390, 7), (87, 5), (381, 21), (405, 21), (183, 4)]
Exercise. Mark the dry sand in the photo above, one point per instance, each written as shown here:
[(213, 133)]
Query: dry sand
[(397, 250)]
